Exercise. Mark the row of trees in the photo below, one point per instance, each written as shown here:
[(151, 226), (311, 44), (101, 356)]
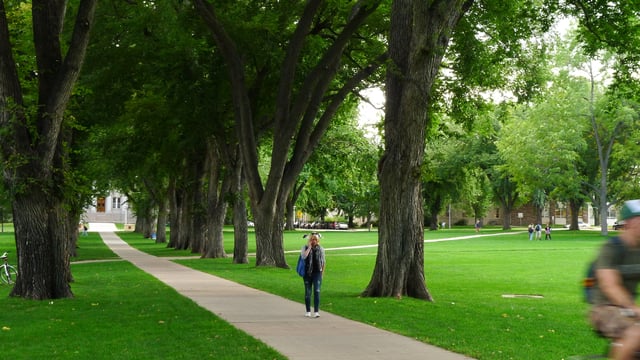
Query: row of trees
[(192, 107)]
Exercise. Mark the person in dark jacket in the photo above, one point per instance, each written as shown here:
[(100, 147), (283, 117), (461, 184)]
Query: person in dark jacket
[(313, 254), (615, 313)]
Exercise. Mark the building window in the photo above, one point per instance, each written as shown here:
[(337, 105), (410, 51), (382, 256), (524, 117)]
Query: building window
[(115, 203)]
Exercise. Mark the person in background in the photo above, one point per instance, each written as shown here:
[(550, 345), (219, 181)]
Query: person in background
[(530, 229), (313, 254), (614, 313), (547, 232), (478, 226)]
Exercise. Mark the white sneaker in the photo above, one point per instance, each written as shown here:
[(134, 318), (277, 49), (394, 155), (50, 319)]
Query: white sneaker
[(316, 314), (307, 314)]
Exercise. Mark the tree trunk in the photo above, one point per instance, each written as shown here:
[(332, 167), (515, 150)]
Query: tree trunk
[(174, 213), (217, 210), (161, 226), (42, 245), (240, 234), (199, 217), (269, 226), (574, 205), (240, 237), (505, 191), (418, 40), (183, 233)]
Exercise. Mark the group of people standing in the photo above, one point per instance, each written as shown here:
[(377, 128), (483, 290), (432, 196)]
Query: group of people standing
[(535, 231)]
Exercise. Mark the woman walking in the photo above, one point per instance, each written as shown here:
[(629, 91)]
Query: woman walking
[(313, 255)]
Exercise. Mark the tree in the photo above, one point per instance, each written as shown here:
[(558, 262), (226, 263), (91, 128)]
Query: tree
[(35, 131), (611, 25), (343, 170), (310, 68), (418, 38), (171, 147), (489, 35)]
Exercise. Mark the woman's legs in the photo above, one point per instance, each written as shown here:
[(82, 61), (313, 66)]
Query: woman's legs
[(317, 282), (307, 292)]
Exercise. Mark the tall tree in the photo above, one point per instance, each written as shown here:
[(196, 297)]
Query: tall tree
[(34, 139), (487, 38), (315, 63), (418, 39)]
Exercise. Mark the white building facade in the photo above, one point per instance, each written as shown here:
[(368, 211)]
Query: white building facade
[(112, 208)]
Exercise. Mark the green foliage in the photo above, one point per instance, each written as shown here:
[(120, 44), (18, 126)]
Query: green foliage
[(342, 173), (539, 153)]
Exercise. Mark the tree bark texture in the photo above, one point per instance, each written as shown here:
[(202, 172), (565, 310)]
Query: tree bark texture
[(240, 225), (240, 237), (418, 39), (219, 185)]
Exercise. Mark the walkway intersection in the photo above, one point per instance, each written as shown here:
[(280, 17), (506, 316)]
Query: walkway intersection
[(279, 322)]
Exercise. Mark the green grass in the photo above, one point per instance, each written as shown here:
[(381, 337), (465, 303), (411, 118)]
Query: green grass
[(466, 277), (118, 312)]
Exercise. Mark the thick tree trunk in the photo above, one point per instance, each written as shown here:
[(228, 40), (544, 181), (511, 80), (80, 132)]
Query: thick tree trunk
[(199, 229), (42, 244), (418, 40), (174, 213), (240, 237), (161, 226), (240, 234), (216, 213), (506, 217), (183, 233), (574, 206), (269, 228), (214, 247), (221, 179)]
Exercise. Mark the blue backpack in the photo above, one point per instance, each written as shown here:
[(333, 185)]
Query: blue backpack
[(589, 281)]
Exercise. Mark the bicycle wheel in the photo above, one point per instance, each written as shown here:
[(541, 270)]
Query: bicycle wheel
[(8, 274)]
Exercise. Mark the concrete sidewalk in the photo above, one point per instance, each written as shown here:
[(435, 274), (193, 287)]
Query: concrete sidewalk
[(279, 322)]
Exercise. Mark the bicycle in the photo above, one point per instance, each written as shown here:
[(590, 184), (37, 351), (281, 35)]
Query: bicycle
[(8, 273)]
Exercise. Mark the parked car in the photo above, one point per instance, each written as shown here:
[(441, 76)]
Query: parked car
[(617, 226), (250, 224), (581, 225), (343, 226)]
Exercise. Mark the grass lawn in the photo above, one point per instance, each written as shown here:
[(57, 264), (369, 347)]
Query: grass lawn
[(467, 278), (119, 312)]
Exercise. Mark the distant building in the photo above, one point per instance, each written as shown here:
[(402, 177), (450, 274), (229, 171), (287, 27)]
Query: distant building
[(555, 213), (112, 208)]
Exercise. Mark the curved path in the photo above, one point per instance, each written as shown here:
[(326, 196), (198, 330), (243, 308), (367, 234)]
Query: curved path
[(279, 322)]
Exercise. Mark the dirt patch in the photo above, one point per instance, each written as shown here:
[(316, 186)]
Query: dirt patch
[(526, 296)]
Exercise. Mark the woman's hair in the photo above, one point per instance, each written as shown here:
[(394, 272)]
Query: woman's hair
[(317, 235)]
